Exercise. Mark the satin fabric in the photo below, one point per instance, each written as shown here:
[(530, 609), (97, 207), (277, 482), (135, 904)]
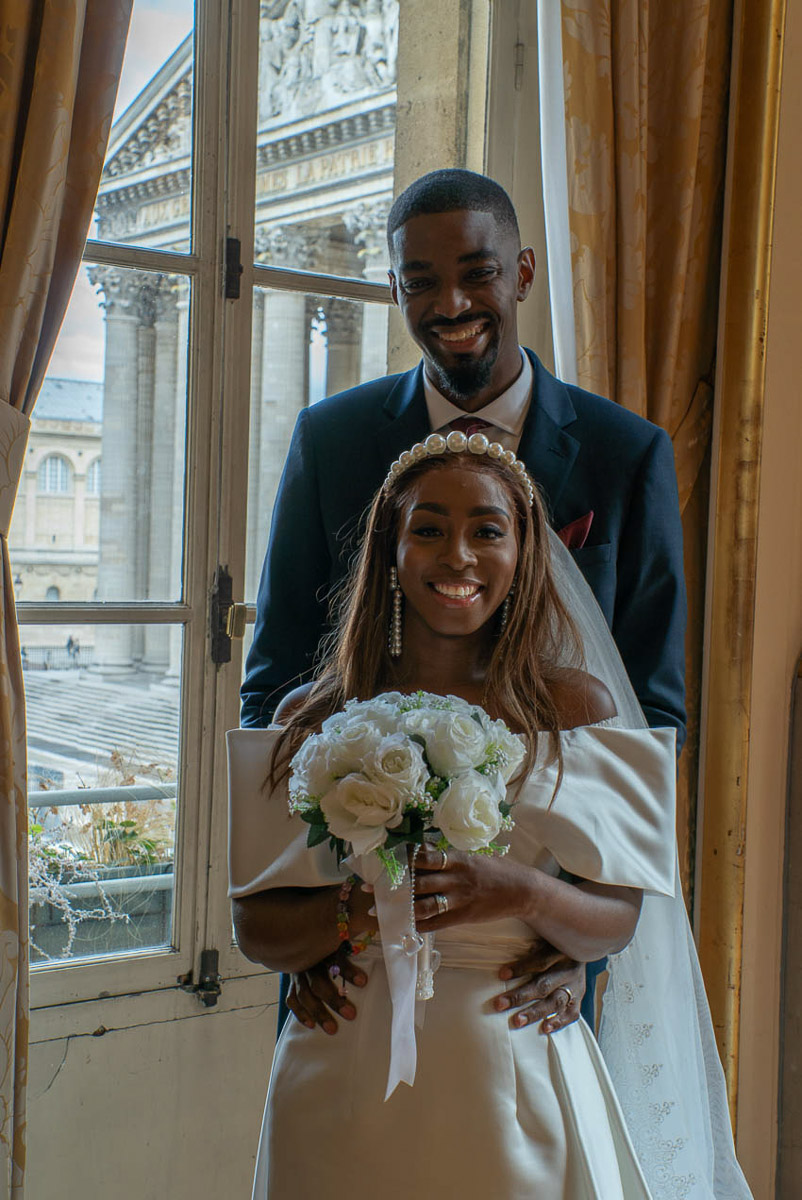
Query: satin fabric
[(494, 1111)]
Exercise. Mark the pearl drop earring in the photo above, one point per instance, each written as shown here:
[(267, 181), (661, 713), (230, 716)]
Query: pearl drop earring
[(506, 608), (394, 639)]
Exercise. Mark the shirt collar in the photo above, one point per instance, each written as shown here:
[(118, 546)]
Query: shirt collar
[(508, 411)]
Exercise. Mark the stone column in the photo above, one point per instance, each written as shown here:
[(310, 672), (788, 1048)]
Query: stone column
[(79, 512), (182, 295), (160, 581), (344, 341), (279, 376), (120, 451), (367, 224)]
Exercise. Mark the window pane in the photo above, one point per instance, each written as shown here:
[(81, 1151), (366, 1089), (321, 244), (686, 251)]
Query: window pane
[(102, 777), (326, 135), (145, 189), (116, 392), (304, 348)]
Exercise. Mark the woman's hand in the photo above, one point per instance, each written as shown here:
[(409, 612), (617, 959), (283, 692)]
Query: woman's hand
[(474, 887), (582, 919), (549, 986)]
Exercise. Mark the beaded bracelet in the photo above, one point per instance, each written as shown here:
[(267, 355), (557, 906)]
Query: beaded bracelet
[(343, 920)]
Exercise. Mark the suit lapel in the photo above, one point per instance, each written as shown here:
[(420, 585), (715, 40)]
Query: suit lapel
[(407, 418), (548, 451)]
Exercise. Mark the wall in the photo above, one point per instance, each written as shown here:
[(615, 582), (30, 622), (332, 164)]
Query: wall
[(777, 645), (170, 1098)]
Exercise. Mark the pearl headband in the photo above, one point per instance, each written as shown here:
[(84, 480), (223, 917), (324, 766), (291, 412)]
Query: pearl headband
[(458, 443)]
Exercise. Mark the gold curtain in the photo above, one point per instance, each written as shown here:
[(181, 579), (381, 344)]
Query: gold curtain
[(646, 98), (59, 69)]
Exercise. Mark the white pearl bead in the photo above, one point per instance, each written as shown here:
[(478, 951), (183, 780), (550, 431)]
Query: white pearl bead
[(405, 459), (435, 443), (456, 441), (478, 443), (395, 469), (495, 450), (418, 451), (507, 457)]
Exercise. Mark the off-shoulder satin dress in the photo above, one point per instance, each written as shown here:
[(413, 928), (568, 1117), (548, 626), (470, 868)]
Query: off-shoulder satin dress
[(495, 1113)]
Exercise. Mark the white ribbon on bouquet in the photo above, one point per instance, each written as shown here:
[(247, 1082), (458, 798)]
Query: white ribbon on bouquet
[(393, 906)]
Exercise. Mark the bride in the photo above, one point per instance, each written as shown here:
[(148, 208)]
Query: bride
[(458, 590)]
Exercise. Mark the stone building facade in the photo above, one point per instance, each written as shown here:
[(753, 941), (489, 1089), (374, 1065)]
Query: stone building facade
[(324, 159), (54, 534)]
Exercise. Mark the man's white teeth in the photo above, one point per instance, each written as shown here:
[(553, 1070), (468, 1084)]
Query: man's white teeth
[(456, 591), (459, 335)]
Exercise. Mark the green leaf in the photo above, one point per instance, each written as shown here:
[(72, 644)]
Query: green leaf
[(313, 816), (316, 836), (395, 838)]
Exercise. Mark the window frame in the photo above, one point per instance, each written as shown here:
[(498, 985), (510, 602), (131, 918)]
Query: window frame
[(65, 472), (66, 982), (223, 205)]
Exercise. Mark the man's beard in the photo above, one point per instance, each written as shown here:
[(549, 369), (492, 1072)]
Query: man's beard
[(463, 380)]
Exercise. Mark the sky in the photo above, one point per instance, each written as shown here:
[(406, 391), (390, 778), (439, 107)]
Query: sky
[(157, 27)]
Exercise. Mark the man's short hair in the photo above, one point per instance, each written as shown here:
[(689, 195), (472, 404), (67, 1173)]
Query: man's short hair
[(449, 190)]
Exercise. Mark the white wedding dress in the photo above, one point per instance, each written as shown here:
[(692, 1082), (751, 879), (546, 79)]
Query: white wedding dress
[(495, 1113)]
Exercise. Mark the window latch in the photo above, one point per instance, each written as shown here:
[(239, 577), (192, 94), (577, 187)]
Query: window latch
[(233, 268), (227, 620), (210, 984)]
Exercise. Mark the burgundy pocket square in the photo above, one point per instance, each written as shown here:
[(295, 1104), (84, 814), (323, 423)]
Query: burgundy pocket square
[(575, 534)]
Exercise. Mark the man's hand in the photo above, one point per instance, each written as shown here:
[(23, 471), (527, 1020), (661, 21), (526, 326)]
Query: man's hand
[(316, 994), (549, 988)]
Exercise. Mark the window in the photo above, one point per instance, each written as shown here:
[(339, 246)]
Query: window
[(93, 478), (55, 474), (52, 594), (179, 382)]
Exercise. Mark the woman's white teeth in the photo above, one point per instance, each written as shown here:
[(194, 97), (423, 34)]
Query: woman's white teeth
[(459, 335), (457, 591)]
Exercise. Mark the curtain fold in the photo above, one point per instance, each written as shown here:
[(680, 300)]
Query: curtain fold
[(59, 70), (646, 102)]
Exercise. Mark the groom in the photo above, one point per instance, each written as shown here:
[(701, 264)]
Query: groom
[(458, 274)]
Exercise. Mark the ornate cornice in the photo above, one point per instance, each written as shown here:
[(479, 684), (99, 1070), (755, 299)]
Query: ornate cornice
[(344, 131), (165, 134)]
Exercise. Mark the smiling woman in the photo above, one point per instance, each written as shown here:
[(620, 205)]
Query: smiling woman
[(458, 531), (457, 554)]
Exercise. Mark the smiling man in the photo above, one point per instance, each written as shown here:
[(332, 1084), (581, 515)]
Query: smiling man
[(458, 273)]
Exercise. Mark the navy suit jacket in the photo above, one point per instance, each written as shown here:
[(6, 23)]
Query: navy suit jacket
[(586, 453)]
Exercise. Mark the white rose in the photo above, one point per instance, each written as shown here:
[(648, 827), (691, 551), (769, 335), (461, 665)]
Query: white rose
[(399, 764), (311, 774), (376, 712), (350, 747), (467, 812), (512, 747), (454, 742), (420, 721), (360, 812)]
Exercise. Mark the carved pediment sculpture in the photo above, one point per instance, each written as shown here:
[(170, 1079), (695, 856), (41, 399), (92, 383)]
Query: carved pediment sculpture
[(316, 53)]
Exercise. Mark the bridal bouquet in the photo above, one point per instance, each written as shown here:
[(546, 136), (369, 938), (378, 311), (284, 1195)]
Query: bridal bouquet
[(399, 769)]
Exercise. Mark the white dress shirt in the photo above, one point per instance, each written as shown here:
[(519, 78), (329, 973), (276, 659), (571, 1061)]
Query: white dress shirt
[(505, 415)]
